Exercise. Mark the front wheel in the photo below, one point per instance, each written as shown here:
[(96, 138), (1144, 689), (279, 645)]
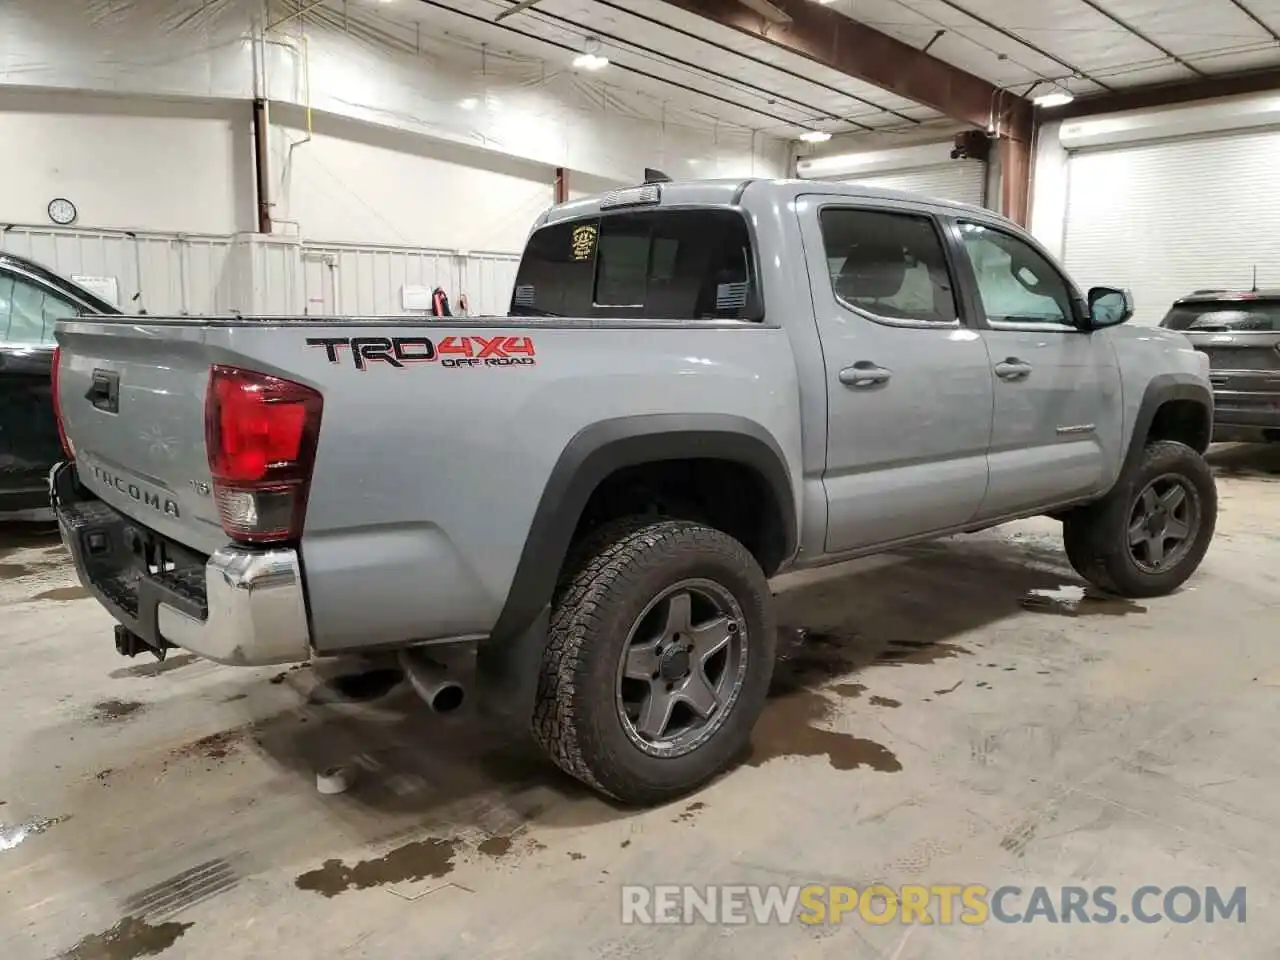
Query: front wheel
[(1150, 533), (658, 660)]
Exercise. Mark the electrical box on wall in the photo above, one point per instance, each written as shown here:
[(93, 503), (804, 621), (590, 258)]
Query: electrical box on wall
[(972, 145), (106, 287)]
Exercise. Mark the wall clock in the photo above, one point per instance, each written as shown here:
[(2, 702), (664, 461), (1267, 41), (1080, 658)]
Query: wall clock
[(62, 211)]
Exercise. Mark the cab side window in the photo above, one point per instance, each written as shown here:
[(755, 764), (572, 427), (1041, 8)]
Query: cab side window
[(1017, 285), (888, 265), (29, 312)]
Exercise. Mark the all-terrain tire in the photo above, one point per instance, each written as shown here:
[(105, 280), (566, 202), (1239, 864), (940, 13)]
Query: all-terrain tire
[(1096, 536), (608, 581)]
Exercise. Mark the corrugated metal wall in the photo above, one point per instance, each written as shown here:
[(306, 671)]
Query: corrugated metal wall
[(157, 273), (187, 274)]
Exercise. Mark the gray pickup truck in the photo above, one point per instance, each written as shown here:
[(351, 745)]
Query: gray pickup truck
[(699, 386)]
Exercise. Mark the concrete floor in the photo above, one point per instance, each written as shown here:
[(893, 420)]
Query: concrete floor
[(930, 727)]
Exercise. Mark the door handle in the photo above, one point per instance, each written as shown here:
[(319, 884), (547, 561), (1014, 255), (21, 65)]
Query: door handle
[(1013, 369), (104, 391), (864, 374)]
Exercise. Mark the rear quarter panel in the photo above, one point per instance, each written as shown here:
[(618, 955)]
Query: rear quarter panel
[(428, 476)]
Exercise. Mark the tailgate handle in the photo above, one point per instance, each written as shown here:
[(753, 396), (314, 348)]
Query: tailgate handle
[(104, 393)]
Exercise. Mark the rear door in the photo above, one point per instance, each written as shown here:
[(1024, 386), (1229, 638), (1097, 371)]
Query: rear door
[(1242, 340), (908, 383)]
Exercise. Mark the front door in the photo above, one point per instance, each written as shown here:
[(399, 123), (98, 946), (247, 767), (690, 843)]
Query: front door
[(1057, 386), (909, 388)]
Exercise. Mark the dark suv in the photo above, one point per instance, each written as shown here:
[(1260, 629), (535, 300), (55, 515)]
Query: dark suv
[(1240, 332), (32, 300)]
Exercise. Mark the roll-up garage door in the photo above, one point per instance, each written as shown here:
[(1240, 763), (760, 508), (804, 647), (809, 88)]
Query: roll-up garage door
[(960, 180), (1167, 218)]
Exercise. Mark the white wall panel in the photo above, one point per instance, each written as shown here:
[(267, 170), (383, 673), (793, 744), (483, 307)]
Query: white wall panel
[(135, 163), (1171, 217), (155, 273)]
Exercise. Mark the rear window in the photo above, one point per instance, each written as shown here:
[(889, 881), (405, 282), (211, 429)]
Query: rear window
[(1247, 315), (663, 265)]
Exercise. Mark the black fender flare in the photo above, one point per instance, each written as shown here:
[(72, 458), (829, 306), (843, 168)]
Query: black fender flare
[(604, 447), (1162, 389)]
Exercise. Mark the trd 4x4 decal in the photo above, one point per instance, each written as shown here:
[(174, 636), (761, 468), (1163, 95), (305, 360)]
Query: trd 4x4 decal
[(400, 352)]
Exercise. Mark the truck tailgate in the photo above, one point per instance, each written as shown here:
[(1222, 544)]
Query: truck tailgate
[(132, 395)]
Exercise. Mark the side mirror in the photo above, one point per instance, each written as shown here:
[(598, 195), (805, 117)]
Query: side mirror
[(1109, 306)]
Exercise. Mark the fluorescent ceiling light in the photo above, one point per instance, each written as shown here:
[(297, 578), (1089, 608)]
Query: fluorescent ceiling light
[(469, 104), (1056, 99), (815, 136), (590, 61)]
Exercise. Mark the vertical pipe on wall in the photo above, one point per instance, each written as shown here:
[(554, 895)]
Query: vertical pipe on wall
[(261, 164), (561, 185)]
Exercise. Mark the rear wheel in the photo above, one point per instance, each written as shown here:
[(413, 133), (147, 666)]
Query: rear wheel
[(659, 656), (1150, 533)]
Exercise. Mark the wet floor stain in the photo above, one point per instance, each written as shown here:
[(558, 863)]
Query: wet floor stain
[(884, 702), (789, 728), (851, 690), (234, 697), (951, 689), (129, 939), (624, 844), (63, 594), (279, 678), (900, 652), (690, 812), (13, 836), (154, 668), (109, 711), (1069, 601), (575, 855), (496, 847), (417, 860), (216, 746)]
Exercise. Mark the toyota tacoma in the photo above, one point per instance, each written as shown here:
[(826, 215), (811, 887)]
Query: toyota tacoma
[(698, 386)]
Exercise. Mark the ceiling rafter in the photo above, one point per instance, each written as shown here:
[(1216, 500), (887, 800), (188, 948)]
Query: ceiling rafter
[(1243, 8), (1016, 38), (1120, 22), (746, 56), (812, 113), (466, 14)]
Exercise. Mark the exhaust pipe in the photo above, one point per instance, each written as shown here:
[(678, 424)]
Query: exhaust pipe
[(431, 681)]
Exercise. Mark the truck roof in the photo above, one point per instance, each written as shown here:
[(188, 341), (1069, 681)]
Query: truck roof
[(729, 192)]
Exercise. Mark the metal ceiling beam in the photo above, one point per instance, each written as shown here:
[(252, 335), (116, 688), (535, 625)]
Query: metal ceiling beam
[(1166, 95), (855, 49), (776, 67), (1098, 8)]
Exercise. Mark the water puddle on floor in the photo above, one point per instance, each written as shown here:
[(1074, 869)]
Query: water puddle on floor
[(1069, 601), (417, 860), (11, 837), (131, 938)]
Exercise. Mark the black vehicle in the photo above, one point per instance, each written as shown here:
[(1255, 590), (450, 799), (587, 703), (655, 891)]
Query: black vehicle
[(1240, 332), (32, 300)]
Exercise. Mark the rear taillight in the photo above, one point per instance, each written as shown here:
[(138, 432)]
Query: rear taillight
[(67, 447), (260, 433)]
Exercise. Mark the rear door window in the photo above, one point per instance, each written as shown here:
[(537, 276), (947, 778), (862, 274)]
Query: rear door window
[(1251, 316), (662, 265)]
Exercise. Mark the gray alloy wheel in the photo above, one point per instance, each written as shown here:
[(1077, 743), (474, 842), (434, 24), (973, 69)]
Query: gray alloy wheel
[(682, 667)]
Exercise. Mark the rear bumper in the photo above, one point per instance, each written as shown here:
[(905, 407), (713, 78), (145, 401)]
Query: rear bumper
[(238, 606), (1240, 414)]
